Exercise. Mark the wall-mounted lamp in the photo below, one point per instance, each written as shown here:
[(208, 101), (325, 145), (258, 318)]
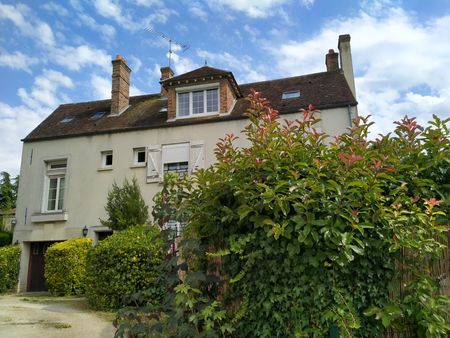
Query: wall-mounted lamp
[(13, 222), (85, 231)]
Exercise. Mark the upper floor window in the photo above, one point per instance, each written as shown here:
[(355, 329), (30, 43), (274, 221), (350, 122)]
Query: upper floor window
[(139, 158), (55, 185), (107, 159), (198, 102)]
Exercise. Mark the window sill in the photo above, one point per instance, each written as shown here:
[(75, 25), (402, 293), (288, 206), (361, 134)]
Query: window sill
[(50, 217), (104, 169), (143, 165)]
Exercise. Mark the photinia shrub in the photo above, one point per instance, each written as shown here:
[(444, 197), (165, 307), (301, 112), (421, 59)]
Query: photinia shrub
[(299, 233)]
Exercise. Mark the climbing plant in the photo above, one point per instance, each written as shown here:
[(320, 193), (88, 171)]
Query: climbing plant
[(298, 233)]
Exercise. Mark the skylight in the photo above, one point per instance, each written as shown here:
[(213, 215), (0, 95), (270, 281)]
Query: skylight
[(97, 115), (290, 95), (67, 119)]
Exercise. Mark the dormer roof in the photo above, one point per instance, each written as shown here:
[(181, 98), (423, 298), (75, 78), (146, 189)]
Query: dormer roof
[(203, 74)]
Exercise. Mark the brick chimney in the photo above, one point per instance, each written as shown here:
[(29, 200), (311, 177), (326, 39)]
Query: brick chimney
[(332, 61), (166, 73), (120, 93), (345, 54)]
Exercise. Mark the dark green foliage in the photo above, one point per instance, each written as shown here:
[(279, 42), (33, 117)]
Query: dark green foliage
[(9, 267), (291, 235), (5, 238), (125, 206), (122, 264), (65, 266), (8, 191)]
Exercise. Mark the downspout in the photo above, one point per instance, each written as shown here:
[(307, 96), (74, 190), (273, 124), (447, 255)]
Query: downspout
[(349, 112)]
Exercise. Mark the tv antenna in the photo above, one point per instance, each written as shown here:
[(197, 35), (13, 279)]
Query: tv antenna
[(184, 47)]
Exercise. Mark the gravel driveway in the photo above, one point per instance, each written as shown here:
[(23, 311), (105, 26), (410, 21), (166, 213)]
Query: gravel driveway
[(43, 316)]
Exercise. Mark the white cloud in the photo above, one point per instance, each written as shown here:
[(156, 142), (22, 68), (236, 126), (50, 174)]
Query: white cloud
[(15, 123), (135, 63), (75, 58), (101, 87), (197, 10), (106, 31), (112, 9), (56, 8), (252, 8), (245, 70), (30, 26), (45, 94), (394, 56), (18, 60)]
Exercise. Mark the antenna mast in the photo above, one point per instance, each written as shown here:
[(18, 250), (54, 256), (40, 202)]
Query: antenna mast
[(184, 47)]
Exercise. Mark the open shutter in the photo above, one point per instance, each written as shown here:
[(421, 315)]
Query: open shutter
[(154, 164), (197, 156)]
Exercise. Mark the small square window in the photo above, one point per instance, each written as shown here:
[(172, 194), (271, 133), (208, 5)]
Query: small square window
[(139, 156), (107, 159)]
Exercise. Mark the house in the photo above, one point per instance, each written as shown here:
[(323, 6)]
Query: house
[(7, 220), (71, 159)]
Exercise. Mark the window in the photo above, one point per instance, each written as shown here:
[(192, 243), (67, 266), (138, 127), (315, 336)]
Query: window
[(139, 157), (198, 102), (180, 158), (107, 159), (55, 185), (67, 119), (290, 95), (176, 167), (175, 158)]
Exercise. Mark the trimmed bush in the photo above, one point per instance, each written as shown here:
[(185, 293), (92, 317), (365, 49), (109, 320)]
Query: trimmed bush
[(5, 238), (123, 263), (65, 266), (9, 267)]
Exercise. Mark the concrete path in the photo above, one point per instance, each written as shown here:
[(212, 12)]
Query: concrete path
[(43, 316)]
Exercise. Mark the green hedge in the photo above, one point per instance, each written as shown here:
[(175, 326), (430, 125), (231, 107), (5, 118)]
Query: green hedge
[(65, 266), (9, 267), (5, 238), (122, 264)]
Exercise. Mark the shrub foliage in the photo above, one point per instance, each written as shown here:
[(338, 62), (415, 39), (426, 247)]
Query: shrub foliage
[(125, 206), (65, 266), (5, 238), (296, 233), (122, 264), (9, 267)]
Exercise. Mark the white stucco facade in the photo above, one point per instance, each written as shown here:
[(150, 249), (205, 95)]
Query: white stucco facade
[(87, 183)]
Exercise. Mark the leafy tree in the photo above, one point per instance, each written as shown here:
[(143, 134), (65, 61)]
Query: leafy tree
[(125, 206), (7, 192), (291, 236)]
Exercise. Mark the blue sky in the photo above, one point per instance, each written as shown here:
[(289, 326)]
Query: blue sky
[(54, 52)]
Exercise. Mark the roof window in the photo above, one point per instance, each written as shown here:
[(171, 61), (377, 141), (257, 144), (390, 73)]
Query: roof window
[(292, 94), (67, 119), (97, 115)]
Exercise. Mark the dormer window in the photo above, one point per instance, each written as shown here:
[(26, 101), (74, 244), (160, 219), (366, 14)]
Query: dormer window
[(198, 100)]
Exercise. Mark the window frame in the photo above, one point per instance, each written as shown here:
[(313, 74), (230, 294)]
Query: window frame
[(59, 173), (190, 90), (104, 156), (136, 152)]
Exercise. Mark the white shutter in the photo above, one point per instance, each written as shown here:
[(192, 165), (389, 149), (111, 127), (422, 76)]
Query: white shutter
[(154, 166), (197, 156)]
